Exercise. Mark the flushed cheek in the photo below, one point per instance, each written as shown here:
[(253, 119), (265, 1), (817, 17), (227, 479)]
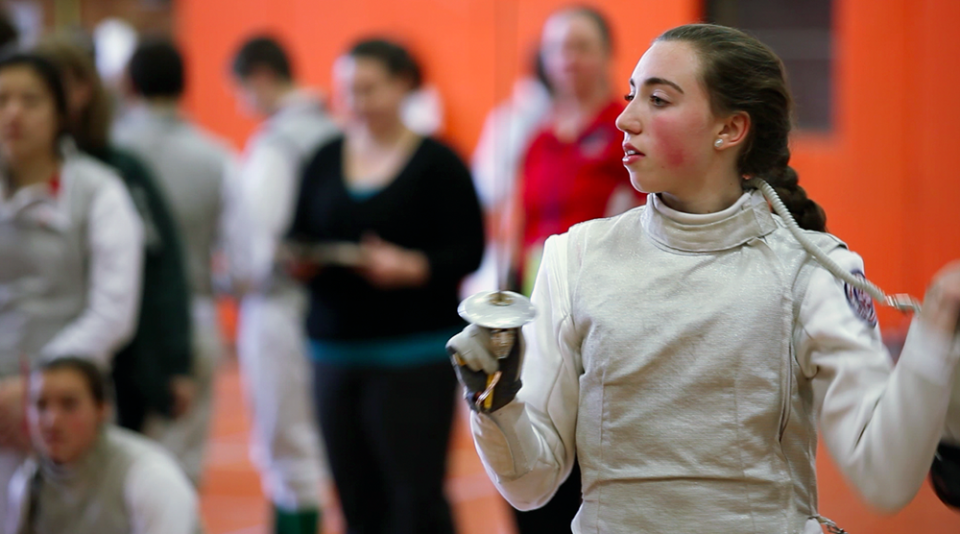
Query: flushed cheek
[(673, 137)]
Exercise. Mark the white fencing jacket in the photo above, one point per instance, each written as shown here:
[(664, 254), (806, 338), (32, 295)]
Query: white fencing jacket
[(70, 273), (270, 182), (688, 361), (126, 485), (193, 168)]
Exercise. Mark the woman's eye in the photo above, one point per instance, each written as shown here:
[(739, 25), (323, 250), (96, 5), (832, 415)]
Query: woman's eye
[(657, 101), (628, 98)]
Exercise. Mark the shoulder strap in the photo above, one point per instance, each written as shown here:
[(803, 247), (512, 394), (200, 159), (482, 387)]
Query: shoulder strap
[(31, 511)]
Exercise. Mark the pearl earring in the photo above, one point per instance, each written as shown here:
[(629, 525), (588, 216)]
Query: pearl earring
[(718, 143)]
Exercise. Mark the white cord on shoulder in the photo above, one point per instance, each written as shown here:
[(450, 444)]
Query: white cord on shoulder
[(902, 302)]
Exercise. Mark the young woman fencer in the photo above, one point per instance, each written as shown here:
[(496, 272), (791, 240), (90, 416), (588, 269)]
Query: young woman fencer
[(688, 352)]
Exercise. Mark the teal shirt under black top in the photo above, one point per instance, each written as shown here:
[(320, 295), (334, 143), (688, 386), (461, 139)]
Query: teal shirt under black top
[(431, 206)]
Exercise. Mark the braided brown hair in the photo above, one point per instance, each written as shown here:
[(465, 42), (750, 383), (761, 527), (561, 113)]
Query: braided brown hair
[(742, 74)]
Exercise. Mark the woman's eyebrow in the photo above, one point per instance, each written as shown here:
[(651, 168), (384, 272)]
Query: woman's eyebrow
[(660, 81)]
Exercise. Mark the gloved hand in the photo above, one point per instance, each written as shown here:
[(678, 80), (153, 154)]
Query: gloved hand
[(489, 382)]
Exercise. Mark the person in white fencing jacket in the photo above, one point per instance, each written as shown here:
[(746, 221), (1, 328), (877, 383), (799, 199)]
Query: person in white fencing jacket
[(688, 351), (272, 342), (71, 243), (89, 476)]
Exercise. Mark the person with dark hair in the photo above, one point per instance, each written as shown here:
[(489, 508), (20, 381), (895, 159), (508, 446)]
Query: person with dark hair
[(71, 245), (495, 165), (9, 34), (88, 476), (191, 168), (403, 212), (688, 352), (271, 343), (156, 71), (571, 170), (262, 55), (151, 373)]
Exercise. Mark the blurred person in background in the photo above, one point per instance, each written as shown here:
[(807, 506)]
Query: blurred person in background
[(192, 169), (89, 476), (152, 373), (507, 131), (9, 34), (272, 342), (71, 243), (377, 320), (571, 172)]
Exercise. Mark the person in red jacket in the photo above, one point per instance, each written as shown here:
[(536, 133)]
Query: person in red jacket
[(572, 170)]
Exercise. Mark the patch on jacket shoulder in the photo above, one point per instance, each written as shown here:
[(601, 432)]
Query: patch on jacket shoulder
[(860, 302)]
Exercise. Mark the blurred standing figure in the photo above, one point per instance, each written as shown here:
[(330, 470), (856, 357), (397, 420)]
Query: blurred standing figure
[(89, 477), (406, 206), (507, 132), (71, 243), (572, 172), (191, 168), (272, 341), (151, 373)]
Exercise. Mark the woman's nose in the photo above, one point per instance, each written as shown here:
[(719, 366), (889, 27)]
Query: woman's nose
[(627, 122)]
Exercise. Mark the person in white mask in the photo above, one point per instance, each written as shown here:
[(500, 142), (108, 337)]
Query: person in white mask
[(690, 352)]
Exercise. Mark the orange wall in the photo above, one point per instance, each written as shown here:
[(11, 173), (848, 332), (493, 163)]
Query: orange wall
[(469, 48), (886, 174)]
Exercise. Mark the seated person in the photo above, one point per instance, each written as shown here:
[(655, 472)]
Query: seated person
[(88, 476)]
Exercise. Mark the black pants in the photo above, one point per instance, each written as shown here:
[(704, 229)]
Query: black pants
[(387, 433), (129, 399), (555, 517)]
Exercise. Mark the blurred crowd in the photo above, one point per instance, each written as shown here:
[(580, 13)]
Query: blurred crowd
[(347, 238)]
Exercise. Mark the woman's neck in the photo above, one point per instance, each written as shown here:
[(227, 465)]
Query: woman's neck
[(30, 171), (379, 136), (573, 112), (707, 199)]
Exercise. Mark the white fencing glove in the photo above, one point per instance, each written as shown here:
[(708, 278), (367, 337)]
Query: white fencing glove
[(488, 363)]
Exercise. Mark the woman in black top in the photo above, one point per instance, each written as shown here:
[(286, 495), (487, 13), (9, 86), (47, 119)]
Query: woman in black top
[(379, 318)]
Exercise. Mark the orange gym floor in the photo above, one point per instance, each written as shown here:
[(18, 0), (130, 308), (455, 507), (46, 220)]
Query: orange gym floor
[(232, 502)]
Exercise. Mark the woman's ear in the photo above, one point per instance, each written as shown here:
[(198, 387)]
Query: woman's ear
[(733, 130)]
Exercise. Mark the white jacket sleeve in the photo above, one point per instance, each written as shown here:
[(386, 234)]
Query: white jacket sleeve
[(115, 238), (880, 424), (268, 194), (160, 499), (232, 230), (528, 446)]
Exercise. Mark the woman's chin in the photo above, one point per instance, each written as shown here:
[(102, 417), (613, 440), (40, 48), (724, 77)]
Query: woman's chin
[(642, 183)]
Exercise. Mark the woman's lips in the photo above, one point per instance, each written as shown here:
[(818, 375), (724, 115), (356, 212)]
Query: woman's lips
[(631, 154)]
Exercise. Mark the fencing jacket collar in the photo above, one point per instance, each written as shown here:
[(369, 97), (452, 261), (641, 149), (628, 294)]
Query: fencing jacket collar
[(82, 469), (748, 218)]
